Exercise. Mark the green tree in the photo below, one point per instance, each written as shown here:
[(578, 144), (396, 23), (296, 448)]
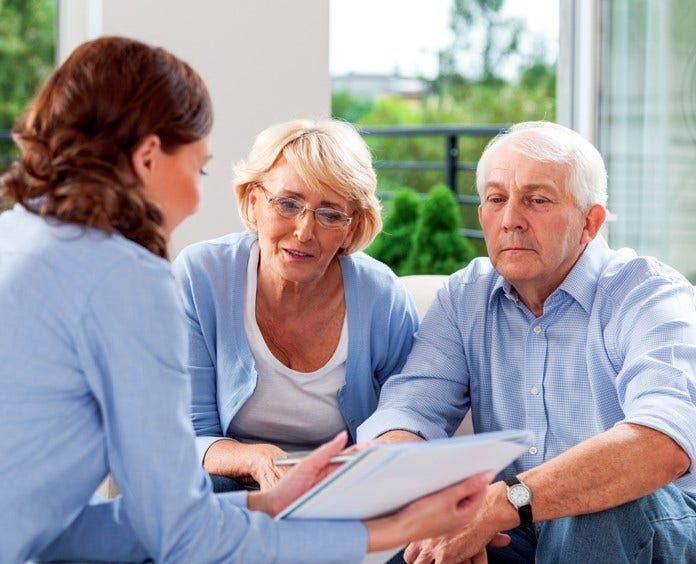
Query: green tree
[(26, 58), (438, 246), (393, 245), (26, 53), (349, 107), (482, 99), (480, 29)]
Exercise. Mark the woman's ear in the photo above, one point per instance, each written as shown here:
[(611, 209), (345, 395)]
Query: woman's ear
[(348, 238), (143, 157)]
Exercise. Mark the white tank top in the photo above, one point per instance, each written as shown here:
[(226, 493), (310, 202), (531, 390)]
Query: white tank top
[(293, 410)]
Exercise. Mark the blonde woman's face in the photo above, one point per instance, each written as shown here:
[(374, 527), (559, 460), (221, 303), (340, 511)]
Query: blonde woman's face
[(297, 249)]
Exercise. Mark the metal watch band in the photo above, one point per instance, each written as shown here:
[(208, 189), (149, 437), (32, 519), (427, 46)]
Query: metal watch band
[(524, 511)]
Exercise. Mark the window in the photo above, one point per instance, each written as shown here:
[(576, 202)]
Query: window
[(647, 126)]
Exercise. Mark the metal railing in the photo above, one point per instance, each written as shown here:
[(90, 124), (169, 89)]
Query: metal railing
[(450, 165)]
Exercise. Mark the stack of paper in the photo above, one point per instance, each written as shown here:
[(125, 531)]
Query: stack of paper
[(385, 476)]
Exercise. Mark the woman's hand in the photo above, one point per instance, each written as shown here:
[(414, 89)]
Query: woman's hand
[(298, 479), (261, 462), (245, 462), (444, 512)]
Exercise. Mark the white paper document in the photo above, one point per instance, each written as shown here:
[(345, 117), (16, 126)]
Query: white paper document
[(385, 476)]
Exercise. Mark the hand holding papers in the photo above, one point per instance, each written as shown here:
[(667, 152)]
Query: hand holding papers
[(386, 476)]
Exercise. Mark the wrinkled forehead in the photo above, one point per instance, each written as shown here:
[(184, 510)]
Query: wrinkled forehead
[(511, 162)]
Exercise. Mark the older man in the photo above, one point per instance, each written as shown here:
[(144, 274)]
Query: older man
[(592, 349)]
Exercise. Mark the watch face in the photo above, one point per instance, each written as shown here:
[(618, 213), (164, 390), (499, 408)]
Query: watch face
[(519, 495)]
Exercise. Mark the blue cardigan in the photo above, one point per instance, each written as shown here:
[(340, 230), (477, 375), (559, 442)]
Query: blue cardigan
[(382, 319)]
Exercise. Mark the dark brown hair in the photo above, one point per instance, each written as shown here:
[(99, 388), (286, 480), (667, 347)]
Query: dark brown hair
[(77, 136)]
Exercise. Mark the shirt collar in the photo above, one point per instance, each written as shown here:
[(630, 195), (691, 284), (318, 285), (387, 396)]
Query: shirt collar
[(581, 282)]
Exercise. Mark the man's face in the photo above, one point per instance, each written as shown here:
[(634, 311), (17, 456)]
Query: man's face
[(533, 229)]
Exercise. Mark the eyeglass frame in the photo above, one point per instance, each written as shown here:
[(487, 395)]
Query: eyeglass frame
[(274, 201)]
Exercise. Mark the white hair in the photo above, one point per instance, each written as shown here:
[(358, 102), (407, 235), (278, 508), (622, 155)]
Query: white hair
[(545, 141)]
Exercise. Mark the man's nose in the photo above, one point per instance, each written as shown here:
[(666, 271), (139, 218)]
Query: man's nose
[(514, 217)]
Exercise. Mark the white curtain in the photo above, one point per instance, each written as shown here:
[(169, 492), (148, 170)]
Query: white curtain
[(647, 126)]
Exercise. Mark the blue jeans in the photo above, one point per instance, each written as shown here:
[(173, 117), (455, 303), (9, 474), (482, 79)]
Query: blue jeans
[(658, 528), (224, 484)]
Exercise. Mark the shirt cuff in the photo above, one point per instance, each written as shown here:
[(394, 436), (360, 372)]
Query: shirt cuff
[(389, 419)]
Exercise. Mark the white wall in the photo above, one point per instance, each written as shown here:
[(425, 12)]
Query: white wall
[(263, 60)]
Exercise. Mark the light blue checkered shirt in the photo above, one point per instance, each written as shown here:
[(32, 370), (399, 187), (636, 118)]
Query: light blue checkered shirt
[(616, 343)]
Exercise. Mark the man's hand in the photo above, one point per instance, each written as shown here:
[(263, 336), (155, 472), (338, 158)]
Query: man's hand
[(469, 543), (464, 547)]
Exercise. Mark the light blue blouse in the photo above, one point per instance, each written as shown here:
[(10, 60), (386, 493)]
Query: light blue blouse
[(92, 380)]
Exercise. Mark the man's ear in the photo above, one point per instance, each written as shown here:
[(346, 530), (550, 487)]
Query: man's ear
[(144, 155), (594, 219)]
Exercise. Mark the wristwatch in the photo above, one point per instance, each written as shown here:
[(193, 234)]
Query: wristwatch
[(520, 496)]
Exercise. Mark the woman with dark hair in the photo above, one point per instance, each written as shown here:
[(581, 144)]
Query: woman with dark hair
[(93, 341)]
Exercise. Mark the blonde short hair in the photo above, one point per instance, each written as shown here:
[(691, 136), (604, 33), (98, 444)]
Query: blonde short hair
[(325, 154)]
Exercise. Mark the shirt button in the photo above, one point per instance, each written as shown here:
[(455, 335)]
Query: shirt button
[(533, 450), (537, 329), (535, 391)]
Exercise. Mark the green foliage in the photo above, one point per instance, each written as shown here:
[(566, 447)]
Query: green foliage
[(438, 246), (26, 58), (484, 97), (26, 53), (422, 235), (540, 78), (348, 107), (532, 98), (393, 245), (480, 28)]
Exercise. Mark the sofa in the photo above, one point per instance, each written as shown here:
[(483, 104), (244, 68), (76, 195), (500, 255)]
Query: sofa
[(423, 288)]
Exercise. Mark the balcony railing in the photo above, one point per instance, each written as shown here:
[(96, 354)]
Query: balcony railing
[(450, 165)]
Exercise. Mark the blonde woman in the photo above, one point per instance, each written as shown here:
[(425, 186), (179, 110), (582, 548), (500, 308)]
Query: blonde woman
[(292, 330)]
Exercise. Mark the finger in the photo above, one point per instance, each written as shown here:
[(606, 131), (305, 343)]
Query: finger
[(411, 552), (500, 540), (361, 446), (468, 493), (480, 558), (418, 553)]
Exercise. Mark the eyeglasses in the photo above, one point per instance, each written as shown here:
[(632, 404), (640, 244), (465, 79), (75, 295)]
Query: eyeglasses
[(291, 208)]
